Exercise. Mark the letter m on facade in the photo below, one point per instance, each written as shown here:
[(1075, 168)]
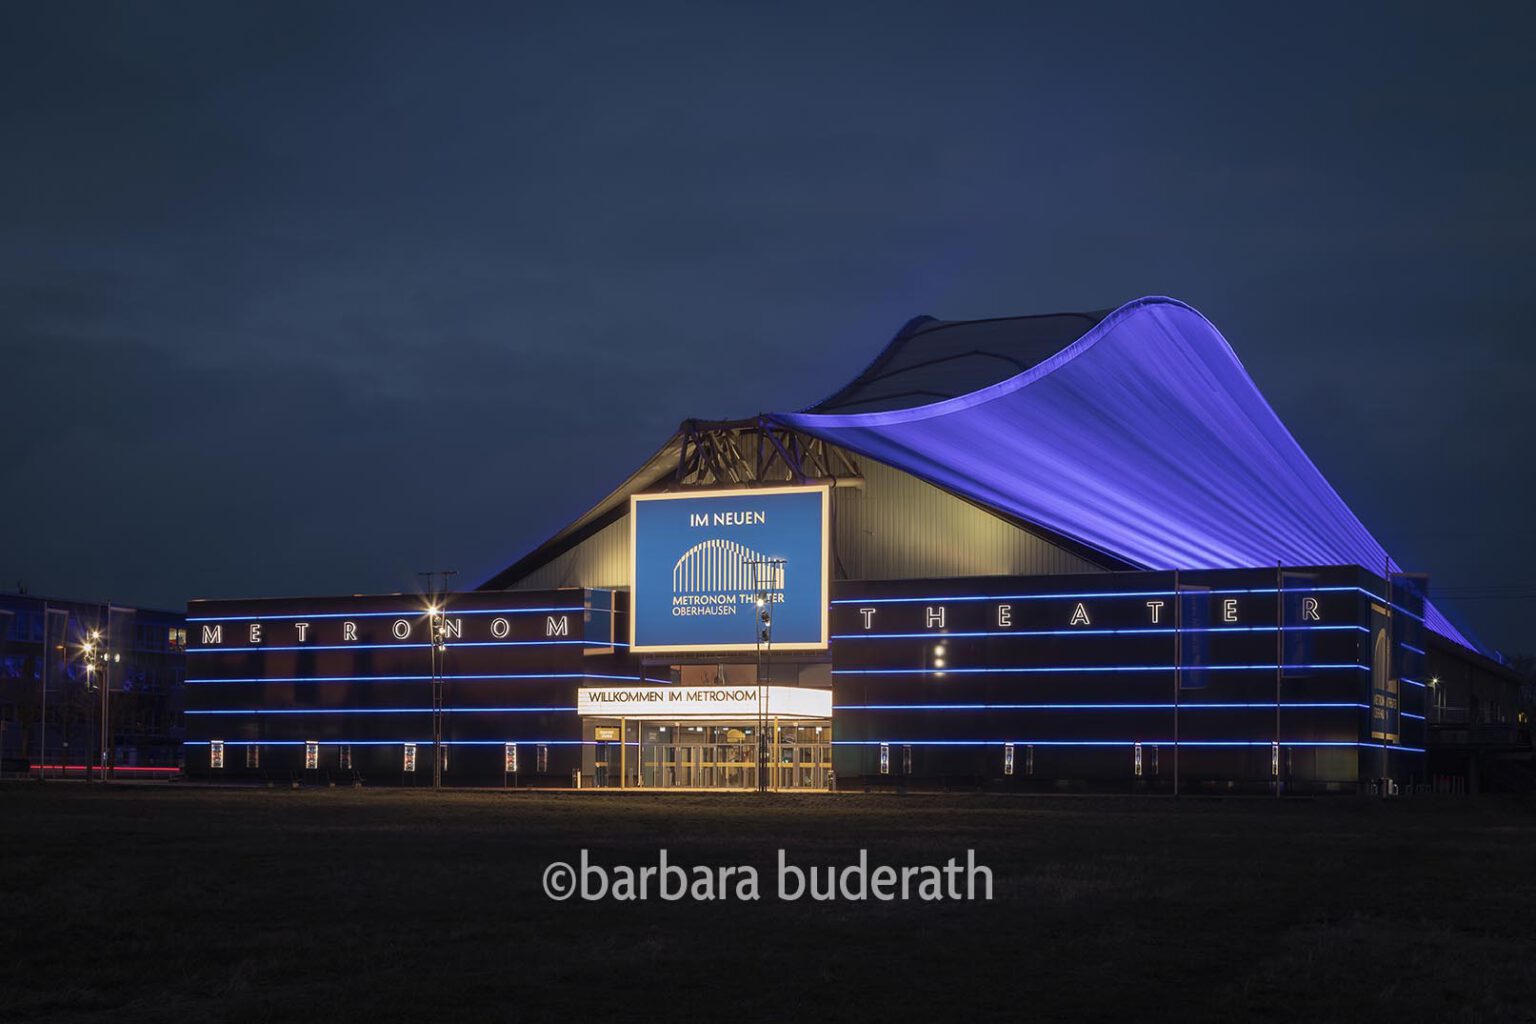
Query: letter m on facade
[(557, 627), (213, 634)]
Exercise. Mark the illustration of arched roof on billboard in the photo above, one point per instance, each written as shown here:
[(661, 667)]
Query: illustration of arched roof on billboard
[(1136, 433), (718, 564)]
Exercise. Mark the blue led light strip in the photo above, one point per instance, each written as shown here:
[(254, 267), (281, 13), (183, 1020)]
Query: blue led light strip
[(258, 648), (1410, 647), (449, 678), (1110, 593), (1086, 668), (1084, 707), (362, 711), (940, 635), (396, 743), (1122, 743), (534, 643), (413, 613)]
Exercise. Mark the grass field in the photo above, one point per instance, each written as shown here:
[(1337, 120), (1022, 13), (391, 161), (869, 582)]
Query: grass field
[(166, 904)]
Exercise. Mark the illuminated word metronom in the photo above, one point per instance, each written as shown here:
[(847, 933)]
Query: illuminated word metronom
[(498, 628)]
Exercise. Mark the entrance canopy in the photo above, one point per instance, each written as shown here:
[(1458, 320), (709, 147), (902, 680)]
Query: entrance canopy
[(718, 703)]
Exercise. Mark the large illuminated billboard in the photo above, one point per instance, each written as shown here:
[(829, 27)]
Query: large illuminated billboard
[(699, 560)]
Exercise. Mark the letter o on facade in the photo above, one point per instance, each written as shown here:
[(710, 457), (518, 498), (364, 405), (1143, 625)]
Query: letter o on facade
[(401, 629), (500, 628)]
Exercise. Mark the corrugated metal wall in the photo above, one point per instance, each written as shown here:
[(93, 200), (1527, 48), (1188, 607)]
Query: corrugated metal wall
[(603, 556), (894, 527), (900, 527)]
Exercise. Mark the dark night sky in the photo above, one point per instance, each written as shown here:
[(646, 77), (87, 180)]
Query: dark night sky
[(304, 298)]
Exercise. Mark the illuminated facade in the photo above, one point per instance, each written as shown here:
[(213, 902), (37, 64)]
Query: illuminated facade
[(1074, 550), (342, 688), (1227, 678)]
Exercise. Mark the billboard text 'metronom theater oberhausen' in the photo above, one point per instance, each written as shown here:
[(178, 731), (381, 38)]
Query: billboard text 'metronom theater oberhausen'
[(700, 560)]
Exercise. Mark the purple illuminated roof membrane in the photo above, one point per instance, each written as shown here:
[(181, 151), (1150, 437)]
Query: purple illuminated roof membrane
[(1144, 439)]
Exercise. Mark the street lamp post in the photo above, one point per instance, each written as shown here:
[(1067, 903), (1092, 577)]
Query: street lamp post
[(439, 654), (437, 621), (767, 579), (98, 673)]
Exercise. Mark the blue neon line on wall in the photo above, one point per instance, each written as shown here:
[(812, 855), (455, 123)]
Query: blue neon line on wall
[(450, 678), (325, 679), (1086, 668), (1159, 630), (394, 743), (535, 643), (1120, 743), (1085, 707), (413, 613), (363, 711), (1111, 593), (257, 648)]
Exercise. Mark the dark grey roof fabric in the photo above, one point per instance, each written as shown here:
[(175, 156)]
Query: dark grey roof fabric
[(930, 360)]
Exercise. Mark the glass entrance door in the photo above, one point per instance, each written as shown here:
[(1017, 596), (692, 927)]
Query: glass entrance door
[(682, 755), (803, 757)]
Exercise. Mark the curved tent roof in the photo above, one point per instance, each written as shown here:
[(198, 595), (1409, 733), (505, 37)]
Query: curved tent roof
[(930, 360), (1143, 438)]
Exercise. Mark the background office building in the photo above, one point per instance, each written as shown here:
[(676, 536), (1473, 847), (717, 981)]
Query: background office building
[(55, 657), (1072, 550)]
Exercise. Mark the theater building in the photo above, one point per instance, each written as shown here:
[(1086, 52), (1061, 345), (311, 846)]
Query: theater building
[(1065, 551)]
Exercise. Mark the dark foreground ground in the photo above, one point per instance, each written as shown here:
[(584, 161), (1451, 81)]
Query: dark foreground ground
[(184, 905)]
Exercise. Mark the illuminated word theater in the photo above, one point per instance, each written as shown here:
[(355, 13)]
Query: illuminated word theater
[(1065, 551)]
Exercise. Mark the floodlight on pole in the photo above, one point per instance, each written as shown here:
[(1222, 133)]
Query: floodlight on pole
[(437, 624), (767, 575), (98, 673)]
